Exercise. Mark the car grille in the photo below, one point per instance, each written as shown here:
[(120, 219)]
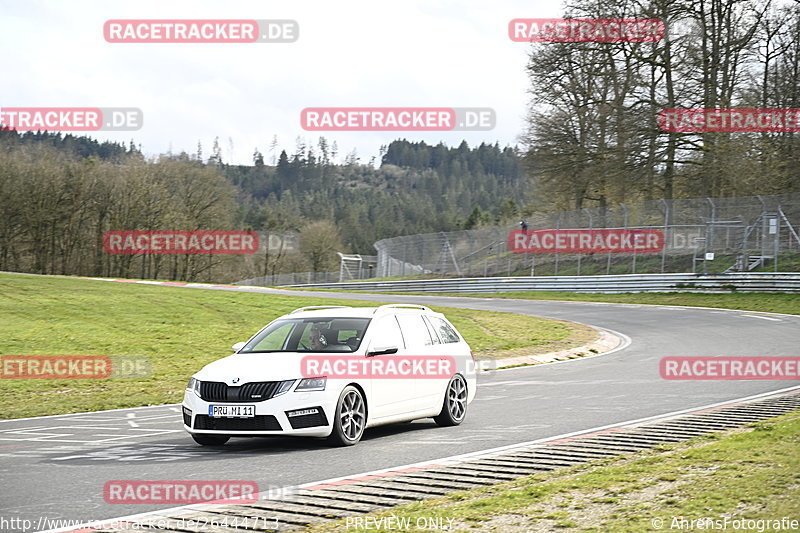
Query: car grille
[(308, 421), (257, 423), (213, 391)]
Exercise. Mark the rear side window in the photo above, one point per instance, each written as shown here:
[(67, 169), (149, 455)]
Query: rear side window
[(415, 331), (432, 331), (445, 330)]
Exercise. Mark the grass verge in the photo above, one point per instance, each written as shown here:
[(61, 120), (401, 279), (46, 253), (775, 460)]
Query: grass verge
[(747, 474), (752, 301), (179, 330)]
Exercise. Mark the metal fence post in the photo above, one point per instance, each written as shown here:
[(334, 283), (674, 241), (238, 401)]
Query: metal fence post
[(763, 227), (625, 226), (666, 232), (497, 257), (558, 226), (710, 235), (777, 241), (405, 257), (591, 227)]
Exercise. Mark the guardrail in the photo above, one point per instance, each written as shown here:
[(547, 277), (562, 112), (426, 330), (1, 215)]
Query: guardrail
[(788, 282)]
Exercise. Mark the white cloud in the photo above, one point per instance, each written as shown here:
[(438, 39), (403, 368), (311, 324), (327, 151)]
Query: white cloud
[(354, 53)]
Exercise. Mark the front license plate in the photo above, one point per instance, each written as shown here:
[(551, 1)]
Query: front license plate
[(232, 411)]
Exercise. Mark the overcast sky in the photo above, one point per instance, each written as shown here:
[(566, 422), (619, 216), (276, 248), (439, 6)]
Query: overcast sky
[(353, 53)]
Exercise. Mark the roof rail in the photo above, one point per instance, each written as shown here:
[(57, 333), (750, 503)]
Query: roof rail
[(313, 307), (402, 306)]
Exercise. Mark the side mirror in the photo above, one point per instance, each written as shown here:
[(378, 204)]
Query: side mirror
[(238, 346), (381, 350)]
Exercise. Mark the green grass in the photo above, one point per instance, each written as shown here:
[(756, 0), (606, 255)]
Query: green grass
[(751, 474), (179, 330)]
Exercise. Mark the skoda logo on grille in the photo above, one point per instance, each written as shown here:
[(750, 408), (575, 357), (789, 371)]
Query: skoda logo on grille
[(234, 381)]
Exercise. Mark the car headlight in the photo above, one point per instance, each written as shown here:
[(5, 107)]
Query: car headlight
[(309, 384), (194, 384), (283, 386)]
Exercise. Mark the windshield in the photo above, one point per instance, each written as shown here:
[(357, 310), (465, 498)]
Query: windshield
[(309, 335)]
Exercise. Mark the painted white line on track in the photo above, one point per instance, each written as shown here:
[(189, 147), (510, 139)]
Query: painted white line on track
[(89, 412), (763, 317), (130, 417)]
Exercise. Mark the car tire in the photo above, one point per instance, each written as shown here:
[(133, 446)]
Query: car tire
[(210, 440), (454, 407), (350, 418)]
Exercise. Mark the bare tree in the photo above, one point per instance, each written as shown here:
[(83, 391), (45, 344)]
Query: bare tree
[(319, 241)]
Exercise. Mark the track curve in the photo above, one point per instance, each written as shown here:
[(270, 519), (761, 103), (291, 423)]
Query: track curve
[(58, 465)]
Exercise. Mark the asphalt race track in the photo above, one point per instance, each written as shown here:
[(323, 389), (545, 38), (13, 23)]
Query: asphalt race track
[(55, 467)]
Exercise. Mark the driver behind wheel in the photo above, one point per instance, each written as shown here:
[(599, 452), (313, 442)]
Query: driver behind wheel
[(318, 340)]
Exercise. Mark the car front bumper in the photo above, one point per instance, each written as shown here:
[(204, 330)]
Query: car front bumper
[(312, 415)]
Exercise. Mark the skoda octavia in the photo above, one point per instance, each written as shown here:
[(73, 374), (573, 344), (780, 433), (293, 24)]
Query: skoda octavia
[(333, 371)]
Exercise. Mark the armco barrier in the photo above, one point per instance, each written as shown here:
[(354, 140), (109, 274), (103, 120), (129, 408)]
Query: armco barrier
[(744, 282)]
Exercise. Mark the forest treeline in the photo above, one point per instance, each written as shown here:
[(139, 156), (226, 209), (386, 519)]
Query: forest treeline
[(593, 138), (417, 188), (60, 194)]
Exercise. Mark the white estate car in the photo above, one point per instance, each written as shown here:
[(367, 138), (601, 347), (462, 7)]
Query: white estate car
[(332, 371)]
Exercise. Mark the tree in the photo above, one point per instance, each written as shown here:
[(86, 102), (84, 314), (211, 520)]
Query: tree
[(319, 241), (592, 133), (216, 154), (476, 219), (283, 170), (273, 147), (258, 158)]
